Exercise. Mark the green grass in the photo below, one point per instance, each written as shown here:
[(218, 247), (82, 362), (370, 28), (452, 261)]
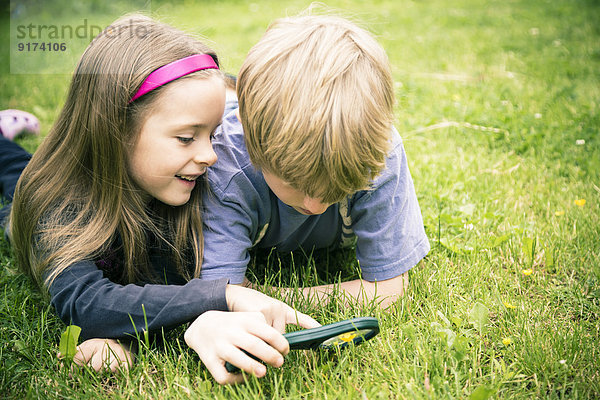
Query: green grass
[(493, 98)]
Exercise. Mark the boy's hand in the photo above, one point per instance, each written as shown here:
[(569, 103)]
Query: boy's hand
[(219, 336), (103, 354), (277, 313)]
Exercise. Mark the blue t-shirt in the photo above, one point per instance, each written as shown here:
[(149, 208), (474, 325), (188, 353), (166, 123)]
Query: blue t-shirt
[(242, 212)]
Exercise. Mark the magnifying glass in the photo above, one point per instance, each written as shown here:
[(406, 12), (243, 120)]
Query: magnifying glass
[(328, 337)]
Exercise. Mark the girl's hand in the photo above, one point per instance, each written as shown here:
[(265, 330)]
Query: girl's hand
[(276, 313), (103, 354), (219, 336), (255, 324)]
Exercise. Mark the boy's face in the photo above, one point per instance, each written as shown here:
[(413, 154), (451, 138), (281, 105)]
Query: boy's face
[(294, 198)]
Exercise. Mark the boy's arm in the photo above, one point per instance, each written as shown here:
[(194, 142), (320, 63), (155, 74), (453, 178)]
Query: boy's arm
[(384, 293), (388, 226), (231, 219), (226, 241)]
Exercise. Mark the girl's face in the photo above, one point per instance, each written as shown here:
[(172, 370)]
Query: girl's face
[(173, 148)]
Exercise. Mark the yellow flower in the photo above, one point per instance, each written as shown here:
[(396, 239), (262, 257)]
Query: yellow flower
[(559, 213), (508, 305), (527, 271), (506, 341), (580, 202)]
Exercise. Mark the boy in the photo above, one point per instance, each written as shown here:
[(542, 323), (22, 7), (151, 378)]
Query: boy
[(317, 163)]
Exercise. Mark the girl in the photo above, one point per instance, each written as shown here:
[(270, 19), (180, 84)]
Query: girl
[(107, 214)]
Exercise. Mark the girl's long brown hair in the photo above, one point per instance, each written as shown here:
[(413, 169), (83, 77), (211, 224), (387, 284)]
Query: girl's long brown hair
[(76, 197)]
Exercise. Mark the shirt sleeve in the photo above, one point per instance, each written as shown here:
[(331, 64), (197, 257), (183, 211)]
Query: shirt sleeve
[(229, 226), (387, 221), (103, 309)]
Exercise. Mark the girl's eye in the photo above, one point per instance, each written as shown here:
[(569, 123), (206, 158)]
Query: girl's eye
[(185, 140)]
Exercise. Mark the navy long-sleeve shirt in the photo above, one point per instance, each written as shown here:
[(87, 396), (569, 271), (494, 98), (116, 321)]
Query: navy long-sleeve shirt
[(88, 294), (83, 296)]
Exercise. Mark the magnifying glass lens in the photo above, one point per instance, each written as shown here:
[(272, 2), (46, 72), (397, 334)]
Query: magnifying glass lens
[(342, 340)]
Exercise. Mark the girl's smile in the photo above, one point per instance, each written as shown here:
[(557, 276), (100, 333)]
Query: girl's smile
[(173, 149)]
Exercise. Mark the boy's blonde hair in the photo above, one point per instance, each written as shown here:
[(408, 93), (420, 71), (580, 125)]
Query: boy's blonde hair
[(76, 199), (316, 102)]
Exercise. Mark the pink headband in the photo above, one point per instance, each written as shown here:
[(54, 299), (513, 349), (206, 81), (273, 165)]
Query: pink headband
[(174, 70)]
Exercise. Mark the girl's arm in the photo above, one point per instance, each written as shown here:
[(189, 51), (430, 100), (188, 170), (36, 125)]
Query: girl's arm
[(103, 309), (255, 326)]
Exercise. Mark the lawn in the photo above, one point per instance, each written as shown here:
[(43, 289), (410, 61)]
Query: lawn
[(498, 103)]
